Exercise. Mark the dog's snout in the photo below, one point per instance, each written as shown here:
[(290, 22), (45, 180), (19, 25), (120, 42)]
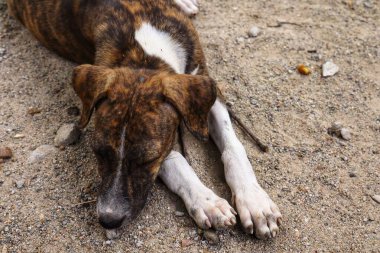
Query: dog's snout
[(111, 220)]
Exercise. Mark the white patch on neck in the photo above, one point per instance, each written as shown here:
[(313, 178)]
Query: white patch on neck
[(161, 44)]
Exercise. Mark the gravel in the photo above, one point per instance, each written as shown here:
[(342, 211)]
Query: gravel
[(67, 134), (329, 69), (41, 153), (324, 209), (211, 236), (254, 31), (5, 153)]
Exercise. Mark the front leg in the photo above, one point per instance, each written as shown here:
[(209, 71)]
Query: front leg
[(204, 206), (256, 210)]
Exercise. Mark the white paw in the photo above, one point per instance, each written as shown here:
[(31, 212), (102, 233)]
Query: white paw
[(190, 7), (258, 213), (208, 210)]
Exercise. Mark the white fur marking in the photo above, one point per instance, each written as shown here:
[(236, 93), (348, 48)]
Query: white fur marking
[(161, 44), (195, 71), (121, 151)]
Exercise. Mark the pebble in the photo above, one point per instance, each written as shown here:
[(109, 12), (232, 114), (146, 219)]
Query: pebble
[(179, 213), (139, 244), (316, 57), (108, 242), (186, 243), (376, 198), (345, 134), (67, 134), (20, 183), (240, 39), (5, 153), (368, 4), (254, 32), (338, 130), (41, 152), (329, 69), (19, 136), (42, 218), (73, 111), (302, 69), (2, 51), (32, 111), (211, 237), (352, 174)]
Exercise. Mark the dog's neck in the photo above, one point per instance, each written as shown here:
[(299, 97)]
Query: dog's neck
[(161, 45), (151, 48)]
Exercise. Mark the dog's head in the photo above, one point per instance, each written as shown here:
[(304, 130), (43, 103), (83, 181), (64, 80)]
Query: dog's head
[(137, 113)]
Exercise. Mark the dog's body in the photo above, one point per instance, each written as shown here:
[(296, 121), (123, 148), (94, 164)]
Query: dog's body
[(149, 72)]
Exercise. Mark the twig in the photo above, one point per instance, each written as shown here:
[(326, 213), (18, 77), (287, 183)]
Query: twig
[(280, 23), (182, 142), (259, 143), (85, 202)]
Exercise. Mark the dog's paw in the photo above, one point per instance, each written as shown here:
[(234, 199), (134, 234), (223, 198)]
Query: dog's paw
[(257, 212), (208, 210), (190, 7)]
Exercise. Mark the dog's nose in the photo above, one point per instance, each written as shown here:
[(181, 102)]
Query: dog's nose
[(111, 221)]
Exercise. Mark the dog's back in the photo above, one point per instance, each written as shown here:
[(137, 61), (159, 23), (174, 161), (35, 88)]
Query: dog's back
[(104, 31)]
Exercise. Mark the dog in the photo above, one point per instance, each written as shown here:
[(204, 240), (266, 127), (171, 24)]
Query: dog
[(143, 72)]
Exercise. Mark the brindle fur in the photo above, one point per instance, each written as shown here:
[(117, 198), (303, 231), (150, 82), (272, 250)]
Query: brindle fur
[(128, 88)]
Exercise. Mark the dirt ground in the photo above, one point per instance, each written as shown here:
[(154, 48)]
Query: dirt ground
[(322, 184)]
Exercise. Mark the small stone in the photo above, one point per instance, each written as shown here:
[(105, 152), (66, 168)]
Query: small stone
[(368, 4), (329, 69), (376, 198), (316, 57), (2, 51), (345, 134), (240, 39), (41, 152), (108, 242), (335, 128), (5, 249), (186, 243), (179, 213), (211, 237), (139, 244), (20, 183), (5, 153), (302, 69), (254, 32), (73, 111), (42, 218), (66, 135), (19, 136), (352, 174), (32, 111)]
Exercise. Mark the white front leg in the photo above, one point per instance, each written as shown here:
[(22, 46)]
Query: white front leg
[(255, 208), (204, 206)]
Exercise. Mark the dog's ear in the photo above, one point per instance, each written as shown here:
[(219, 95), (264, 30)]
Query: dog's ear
[(91, 84), (193, 97)]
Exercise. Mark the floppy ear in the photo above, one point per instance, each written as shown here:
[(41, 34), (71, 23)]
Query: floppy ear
[(91, 84), (193, 97)]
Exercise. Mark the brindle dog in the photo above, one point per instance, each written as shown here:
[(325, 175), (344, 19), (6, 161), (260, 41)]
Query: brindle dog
[(148, 73)]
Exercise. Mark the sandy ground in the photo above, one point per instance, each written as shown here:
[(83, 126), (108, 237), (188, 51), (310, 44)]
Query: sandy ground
[(322, 184)]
